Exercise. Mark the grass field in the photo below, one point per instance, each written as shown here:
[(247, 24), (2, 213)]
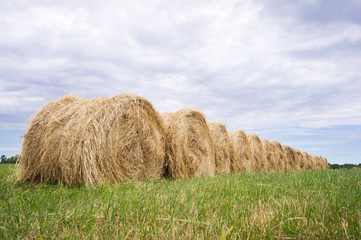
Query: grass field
[(294, 205)]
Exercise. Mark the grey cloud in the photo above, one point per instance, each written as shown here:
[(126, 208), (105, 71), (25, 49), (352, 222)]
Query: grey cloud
[(317, 11)]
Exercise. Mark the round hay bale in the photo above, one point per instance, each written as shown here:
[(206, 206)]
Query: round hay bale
[(258, 154), (241, 155), (319, 162), (313, 160), (325, 163), (279, 155), (189, 146), (222, 147), (93, 141), (290, 163), (308, 161), (299, 158), (272, 161)]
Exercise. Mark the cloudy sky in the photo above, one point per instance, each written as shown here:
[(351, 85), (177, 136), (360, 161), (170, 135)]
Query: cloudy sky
[(287, 70)]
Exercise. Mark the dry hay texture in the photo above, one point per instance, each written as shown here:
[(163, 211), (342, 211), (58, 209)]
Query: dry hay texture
[(258, 154), (189, 146), (222, 147), (92, 141), (272, 160), (241, 154), (279, 155)]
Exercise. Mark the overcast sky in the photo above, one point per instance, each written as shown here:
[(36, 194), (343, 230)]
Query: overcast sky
[(287, 70)]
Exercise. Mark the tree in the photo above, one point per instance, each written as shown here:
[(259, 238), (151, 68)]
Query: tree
[(13, 159), (3, 159)]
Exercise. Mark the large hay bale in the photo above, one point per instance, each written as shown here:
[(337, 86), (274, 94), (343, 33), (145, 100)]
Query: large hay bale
[(258, 154), (93, 141), (189, 146), (241, 155), (222, 147), (269, 150), (279, 155)]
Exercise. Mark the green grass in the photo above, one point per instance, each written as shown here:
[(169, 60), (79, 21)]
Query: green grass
[(5, 170), (295, 205)]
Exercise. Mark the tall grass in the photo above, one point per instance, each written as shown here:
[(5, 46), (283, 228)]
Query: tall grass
[(294, 205)]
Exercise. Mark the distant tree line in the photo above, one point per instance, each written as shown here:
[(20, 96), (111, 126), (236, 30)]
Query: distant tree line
[(10, 160), (344, 166)]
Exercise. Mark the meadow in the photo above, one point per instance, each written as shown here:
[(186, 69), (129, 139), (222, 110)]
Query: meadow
[(322, 204)]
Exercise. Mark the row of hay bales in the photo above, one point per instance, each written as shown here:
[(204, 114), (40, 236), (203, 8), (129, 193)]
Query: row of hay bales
[(81, 141)]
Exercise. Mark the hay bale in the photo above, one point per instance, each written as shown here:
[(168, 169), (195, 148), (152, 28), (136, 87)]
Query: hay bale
[(299, 159), (269, 150), (290, 163), (279, 155), (258, 154), (189, 146), (325, 163), (222, 147), (319, 163), (308, 161), (312, 162), (241, 154), (315, 164), (93, 141)]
